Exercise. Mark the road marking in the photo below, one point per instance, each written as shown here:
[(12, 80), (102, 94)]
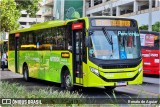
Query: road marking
[(143, 91)]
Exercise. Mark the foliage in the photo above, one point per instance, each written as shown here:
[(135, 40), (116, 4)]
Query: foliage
[(155, 27), (144, 27), (9, 15), (15, 90), (31, 6), (10, 12)]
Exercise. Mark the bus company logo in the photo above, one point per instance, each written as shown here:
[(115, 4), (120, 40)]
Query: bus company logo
[(150, 55), (6, 101), (146, 55), (130, 74), (55, 59), (154, 55)]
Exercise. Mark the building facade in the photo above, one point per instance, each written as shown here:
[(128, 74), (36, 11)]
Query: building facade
[(47, 12), (136, 9), (26, 20)]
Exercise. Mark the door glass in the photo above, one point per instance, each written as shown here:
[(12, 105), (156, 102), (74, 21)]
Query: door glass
[(78, 49)]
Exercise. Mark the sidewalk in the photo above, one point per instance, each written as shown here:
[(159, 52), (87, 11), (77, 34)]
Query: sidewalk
[(6, 74)]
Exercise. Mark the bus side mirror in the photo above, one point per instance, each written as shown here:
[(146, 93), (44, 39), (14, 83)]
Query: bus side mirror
[(87, 41)]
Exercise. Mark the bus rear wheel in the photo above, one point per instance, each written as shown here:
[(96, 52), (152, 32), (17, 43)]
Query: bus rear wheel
[(67, 81), (109, 88), (25, 73)]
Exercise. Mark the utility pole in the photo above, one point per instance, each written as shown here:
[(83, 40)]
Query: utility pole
[(111, 10), (150, 16)]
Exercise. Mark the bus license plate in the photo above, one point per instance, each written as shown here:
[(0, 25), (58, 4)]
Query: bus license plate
[(121, 83)]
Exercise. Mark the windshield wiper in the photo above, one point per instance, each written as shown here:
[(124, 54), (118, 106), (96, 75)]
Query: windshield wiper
[(108, 37)]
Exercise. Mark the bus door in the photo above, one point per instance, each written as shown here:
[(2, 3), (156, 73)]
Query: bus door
[(17, 52), (77, 38)]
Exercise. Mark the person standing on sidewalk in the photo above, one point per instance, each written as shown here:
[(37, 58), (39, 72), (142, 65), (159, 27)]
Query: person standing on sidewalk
[(3, 59)]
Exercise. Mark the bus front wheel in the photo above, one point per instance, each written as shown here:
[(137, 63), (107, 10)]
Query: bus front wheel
[(67, 81), (25, 73)]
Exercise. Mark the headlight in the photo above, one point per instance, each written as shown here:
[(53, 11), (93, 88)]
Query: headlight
[(95, 71), (140, 69)]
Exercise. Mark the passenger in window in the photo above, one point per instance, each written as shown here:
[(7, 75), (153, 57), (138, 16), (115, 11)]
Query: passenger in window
[(121, 44), (129, 41), (37, 45), (69, 45), (3, 60)]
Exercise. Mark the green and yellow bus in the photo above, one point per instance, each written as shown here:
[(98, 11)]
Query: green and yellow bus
[(89, 52)]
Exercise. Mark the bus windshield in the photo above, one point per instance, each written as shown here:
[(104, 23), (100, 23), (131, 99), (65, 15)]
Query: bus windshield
[(114, 44)]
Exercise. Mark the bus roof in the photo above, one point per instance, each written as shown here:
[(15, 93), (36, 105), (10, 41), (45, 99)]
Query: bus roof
[(58, 23), (41, 26), (115, 17), (150, 32), (44, 25)]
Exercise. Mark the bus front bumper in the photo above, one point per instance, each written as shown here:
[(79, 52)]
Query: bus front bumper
[(113, 79)]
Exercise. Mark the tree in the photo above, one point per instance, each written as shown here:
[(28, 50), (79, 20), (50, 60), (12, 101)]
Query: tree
[(9, 15), (155, 27), (144, 27), (31, 6)]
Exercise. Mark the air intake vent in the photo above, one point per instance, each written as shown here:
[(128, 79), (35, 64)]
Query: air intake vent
[(117, 66)]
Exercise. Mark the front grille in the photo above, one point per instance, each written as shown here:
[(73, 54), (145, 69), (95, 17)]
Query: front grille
[(118, 66)]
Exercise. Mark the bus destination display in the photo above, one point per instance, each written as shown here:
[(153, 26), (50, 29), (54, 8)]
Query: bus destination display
[(104, 22)]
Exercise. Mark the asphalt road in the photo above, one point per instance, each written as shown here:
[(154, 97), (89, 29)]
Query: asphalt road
[(149, 88)]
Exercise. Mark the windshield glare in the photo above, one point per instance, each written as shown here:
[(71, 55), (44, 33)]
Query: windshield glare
[(114, 45)]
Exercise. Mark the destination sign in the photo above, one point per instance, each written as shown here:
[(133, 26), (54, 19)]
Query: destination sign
[(108, 22)]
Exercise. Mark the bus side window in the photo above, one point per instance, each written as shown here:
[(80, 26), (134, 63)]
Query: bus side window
[(68, 37)]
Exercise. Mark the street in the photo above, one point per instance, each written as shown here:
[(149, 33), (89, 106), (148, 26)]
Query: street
[(149, 88), (80, 43)]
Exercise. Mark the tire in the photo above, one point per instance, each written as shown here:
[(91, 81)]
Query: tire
[(26, 73), (109, 88), (67, 81)]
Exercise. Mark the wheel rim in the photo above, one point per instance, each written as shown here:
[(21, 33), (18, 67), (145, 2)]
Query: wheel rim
[(68, 81)]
